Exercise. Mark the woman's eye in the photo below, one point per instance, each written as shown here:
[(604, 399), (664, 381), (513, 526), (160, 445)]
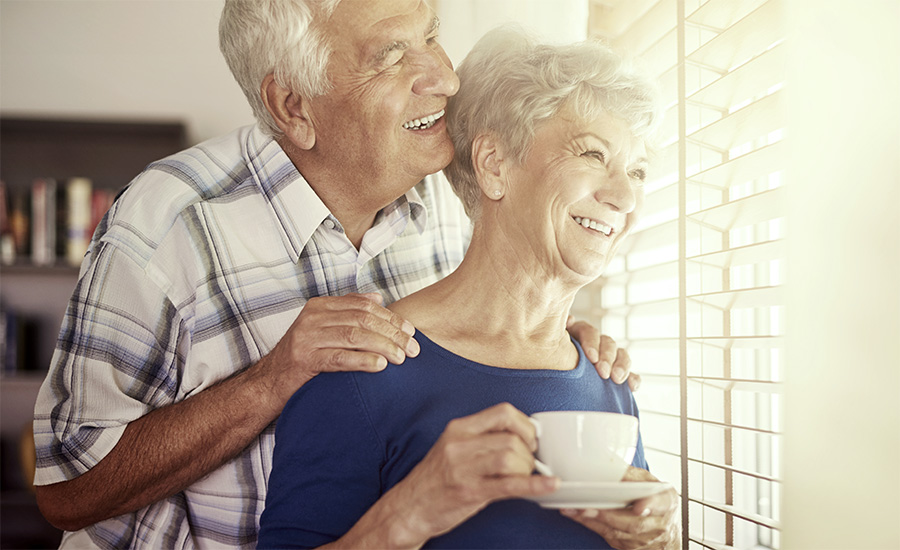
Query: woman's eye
[(598, 155), (638, 174)]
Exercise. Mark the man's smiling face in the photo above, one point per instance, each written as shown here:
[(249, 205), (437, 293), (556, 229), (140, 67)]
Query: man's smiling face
[(390, 81)]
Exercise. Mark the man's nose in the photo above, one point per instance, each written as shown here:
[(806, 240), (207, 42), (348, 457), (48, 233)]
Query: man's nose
[(437, 76)]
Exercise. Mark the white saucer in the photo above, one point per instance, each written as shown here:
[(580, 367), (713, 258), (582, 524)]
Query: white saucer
[(602, 495)]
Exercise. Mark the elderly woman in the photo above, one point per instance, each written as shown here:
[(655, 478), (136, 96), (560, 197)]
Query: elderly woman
[(550, 162)]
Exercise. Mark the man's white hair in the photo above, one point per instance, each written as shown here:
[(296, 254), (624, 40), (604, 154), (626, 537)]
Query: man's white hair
[(510, 83), (280, 37)]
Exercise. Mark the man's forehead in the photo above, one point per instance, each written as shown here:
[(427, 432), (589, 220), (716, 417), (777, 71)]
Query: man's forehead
[(371, 13)]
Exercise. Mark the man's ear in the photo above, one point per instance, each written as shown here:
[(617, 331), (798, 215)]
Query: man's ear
[(289, 111), (490, 166)]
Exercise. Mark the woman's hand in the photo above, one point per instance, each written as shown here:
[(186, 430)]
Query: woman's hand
[(478, 459), (601, 350), (651, 523)]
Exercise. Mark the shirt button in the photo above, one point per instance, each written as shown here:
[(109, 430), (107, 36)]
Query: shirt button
[(329, 224)]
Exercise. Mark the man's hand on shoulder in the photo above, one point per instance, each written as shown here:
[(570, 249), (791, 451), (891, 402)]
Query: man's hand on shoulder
[(337, 333), (610, 360)]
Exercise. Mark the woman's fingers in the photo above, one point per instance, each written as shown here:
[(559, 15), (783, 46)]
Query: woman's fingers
[(499, 418)]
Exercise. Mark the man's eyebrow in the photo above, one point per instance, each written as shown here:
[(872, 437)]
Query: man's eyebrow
[(386, 50)]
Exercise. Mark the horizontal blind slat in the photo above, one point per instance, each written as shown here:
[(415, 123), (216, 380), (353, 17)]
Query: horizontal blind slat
[(756, 120), (613, 18), (761, 207), (648, 29), (664, 198), (655, 272), (743, 255), (712, 545), (755, 164), (728, 509), (650, 238), (745, 82), (756, 341), (732, 469), (725, 384), (651, 307), (661, 55), (747, 297), (741, 342), (731, 426), (743, 40), (722, 14)]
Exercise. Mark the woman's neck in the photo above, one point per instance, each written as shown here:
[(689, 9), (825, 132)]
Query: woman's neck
[(497, 308)]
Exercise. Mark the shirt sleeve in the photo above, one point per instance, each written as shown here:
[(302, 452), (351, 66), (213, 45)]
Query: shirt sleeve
[(326, 470), (115, 360)]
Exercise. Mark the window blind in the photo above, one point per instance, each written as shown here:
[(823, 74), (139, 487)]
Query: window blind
[(695, 294)]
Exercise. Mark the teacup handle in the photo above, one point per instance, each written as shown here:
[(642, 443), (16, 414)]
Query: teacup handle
[(541, 468)]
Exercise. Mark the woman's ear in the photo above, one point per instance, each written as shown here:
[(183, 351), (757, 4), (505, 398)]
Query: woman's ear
[(490, 166), (290, 113)]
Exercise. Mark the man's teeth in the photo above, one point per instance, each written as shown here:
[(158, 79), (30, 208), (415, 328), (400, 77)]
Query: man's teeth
[(592, 224), (424, 122)]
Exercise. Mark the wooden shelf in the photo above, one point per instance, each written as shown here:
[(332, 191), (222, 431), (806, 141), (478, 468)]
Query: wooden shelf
[(32, 269), (110, 153)]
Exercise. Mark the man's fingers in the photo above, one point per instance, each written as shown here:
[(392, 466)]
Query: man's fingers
[(335, 360), (369, 303), (634, 381), (374, 297), (356, 312), (349, 338), (607, 347), (621, 367), (390, 330), (588, 337)]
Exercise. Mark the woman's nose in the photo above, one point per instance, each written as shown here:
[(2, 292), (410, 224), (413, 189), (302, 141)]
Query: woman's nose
[(618, 190), (437, 76)]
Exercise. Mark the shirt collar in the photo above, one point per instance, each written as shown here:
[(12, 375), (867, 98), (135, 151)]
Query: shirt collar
[(295, 204)]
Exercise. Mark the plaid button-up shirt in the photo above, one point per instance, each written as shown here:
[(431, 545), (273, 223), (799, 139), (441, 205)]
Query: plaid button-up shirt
[(195, 274)]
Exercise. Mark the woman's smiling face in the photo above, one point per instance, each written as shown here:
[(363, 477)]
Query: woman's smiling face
[(578, 193)]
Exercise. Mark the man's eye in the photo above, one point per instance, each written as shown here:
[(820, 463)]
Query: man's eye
[(393, 59)]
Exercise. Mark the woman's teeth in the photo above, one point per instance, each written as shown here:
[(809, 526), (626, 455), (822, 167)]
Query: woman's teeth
[(591, 224), (424, 122)]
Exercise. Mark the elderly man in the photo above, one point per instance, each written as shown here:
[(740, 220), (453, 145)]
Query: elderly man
[(228, 275)]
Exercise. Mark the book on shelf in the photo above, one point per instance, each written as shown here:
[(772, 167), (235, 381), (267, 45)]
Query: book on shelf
[(7, 241), (19, 223), (51, 222), (43, 221), (78, 220), (18, 345)]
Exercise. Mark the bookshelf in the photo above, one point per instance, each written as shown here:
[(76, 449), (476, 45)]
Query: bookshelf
[(109, 153)]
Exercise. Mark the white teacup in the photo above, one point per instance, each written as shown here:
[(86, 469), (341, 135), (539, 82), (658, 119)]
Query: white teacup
[(585, 446)]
